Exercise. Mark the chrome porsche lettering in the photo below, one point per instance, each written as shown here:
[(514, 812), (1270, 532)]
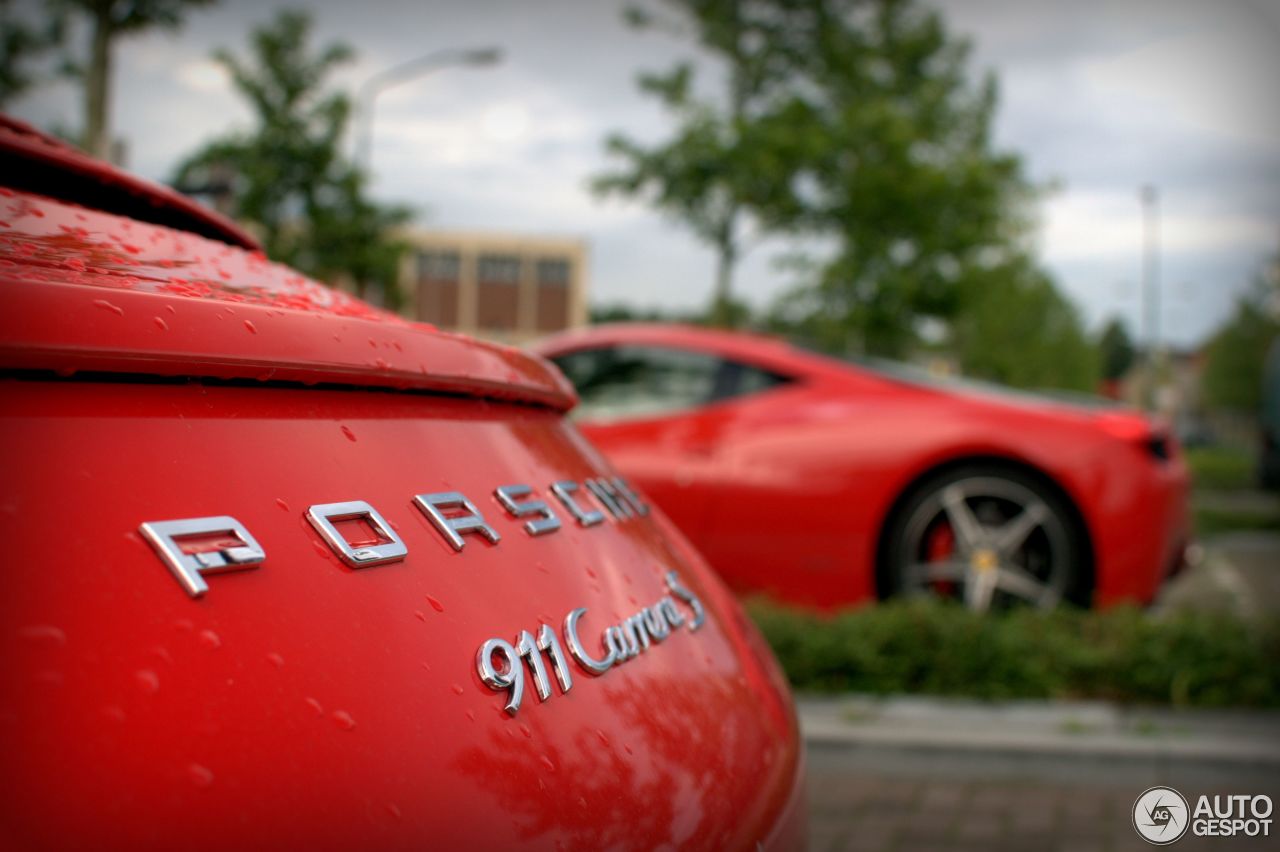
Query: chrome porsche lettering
[(389, 549), (187, 564), (564, 491), (641, 508), (450, 512), (508, 496), (452, 528), (623, 641), (608, 496)]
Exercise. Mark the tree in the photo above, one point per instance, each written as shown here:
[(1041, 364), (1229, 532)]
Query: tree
[(287, 178), (108, 21), (720, 166), (1017, 329), (21, 42), (902, 175), (1115, 348), (855, 121), (1237, 353)]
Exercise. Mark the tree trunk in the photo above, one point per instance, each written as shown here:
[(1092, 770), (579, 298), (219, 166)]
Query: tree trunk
[(722, 315), (97, 132)]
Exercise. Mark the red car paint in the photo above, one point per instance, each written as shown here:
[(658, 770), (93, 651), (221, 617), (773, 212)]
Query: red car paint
[(152, 374), (786, 491)]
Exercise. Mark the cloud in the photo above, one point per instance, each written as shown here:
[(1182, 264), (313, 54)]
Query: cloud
[(1101, 97)]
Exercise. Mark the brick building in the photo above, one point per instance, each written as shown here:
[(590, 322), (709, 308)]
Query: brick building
[(497, 286)]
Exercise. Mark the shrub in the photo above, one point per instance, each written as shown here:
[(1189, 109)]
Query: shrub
[(939, 648)]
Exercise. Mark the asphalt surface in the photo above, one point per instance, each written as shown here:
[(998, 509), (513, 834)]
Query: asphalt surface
[(1237, 572), (923, 774)]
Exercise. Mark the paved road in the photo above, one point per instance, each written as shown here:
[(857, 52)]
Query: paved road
[(861, 805), (1238, 572)]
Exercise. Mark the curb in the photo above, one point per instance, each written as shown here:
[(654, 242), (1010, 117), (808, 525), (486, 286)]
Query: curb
[(1056, 734)]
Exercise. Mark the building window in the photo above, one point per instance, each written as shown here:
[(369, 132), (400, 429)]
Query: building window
[(499, 269), (553, 272), (438, 266)]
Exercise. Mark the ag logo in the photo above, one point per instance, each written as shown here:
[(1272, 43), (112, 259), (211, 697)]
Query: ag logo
[(1161, 815)]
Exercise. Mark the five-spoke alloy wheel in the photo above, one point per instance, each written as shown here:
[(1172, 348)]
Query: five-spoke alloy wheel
[(991, 538)]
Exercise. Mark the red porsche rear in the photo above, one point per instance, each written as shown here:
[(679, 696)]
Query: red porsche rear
[(285, 571)]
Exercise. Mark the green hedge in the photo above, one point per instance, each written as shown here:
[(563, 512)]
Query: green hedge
[(937, 648)]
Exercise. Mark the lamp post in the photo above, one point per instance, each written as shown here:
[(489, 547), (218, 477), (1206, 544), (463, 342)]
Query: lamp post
[(1150, 198), (369, 90)]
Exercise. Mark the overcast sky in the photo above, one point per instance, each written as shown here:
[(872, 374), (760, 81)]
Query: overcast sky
[(1099, 97)]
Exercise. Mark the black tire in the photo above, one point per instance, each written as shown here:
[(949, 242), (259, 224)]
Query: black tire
[(993, 563)]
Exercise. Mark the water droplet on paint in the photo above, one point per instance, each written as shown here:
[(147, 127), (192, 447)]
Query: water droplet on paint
[(160, 324), (201, 776), (457, 689), (148, 681), (252, 329), (210, 640), (44, 633), (107, 306), (315, 706), (275, 659), (351, 436), (546, 761), (283, 505), (435, 604), (343, 720)]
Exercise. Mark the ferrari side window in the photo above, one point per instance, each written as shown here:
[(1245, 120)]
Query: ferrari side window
[(639, 381), (744, 379)]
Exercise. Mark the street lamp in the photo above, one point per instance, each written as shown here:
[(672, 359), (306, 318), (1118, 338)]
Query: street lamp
[(1150, 199), (405, 71)]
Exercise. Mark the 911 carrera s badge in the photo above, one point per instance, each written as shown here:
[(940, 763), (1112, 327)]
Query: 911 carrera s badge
[(621, 642), (192, 547)]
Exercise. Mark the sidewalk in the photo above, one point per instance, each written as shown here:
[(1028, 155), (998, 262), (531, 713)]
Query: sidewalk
[(920, 774), (1052, 740), (1237, 572)]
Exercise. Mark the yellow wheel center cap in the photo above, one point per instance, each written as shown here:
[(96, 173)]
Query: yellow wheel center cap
[(984, 560)]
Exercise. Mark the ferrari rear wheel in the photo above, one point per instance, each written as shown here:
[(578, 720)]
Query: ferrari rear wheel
[(989, 538)]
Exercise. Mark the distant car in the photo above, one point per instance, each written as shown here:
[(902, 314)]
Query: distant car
[(283, 571), (826, 484)]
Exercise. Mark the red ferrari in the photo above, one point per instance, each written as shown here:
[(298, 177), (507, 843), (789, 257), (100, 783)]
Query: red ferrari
[(825, 483)]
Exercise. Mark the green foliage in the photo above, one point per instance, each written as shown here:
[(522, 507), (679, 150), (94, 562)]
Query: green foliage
[(22, 42), (857, 122), (1016, 328), (722, 165), (108, 21), (1220, 467), (940, 648), (124, 17), (901, 172), (1212, 522), (287, 177), (1115, 349), (1237, 354)]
